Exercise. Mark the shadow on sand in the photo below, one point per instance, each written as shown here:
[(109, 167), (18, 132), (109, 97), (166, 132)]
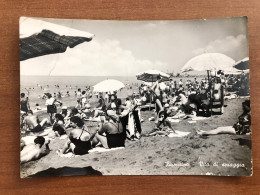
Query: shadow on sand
[(244, 142), (66, 171)]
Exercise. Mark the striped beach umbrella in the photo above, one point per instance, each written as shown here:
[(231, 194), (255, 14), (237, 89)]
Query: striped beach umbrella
[(38, 38), (151, 76), (242, 64), (47, 42)]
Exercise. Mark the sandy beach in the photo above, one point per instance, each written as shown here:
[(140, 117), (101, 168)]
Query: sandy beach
[(190, 155)]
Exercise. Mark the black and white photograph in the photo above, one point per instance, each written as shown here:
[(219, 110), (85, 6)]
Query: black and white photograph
[(121, 97)]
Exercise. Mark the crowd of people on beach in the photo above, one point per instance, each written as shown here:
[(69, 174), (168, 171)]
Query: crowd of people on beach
[(117, 121)]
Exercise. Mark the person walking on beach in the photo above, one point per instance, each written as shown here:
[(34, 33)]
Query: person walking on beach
[(79, 96), (157, 91), (24, 103), (180, 83), (51, 106)]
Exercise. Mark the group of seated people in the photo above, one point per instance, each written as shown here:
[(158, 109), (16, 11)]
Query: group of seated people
[(111, 129), (110, 132)]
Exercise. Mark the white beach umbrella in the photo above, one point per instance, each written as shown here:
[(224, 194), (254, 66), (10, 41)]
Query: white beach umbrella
[(210, 61), (108, 85), (151, 76)]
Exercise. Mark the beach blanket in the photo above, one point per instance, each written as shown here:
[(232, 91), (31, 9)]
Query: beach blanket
[(67, 155), (199, 118), (178, 134), (177, 116), (229, 97), (101, 149), (174, 120)]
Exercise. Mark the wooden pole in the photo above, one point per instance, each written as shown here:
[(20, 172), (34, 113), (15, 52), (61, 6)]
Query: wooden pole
[(150, 97), (210, 93)]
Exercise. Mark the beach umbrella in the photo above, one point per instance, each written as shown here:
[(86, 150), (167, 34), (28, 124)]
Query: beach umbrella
[(151, 76), (242, 64), (38, 38), (108, 85), (210, 62)]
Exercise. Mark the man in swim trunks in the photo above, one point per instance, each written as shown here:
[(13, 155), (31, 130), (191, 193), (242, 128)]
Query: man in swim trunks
[(32, 122), (35, 151), (157, 91), (24, 103)]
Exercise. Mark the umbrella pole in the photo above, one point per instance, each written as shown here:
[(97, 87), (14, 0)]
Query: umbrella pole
[(210, 93), (151, 97)]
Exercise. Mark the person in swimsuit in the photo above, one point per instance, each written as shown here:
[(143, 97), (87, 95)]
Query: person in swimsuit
[(35, 150), (156, 90), (32, 122), (24, 103), (100, 107), (58, 126), (243, 126), (51, 106), (79, 141), (113, 128), (163, 120)]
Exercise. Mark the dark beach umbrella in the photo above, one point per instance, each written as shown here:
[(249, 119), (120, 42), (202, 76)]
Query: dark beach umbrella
[(242, 64), (47, 42), (151, 76)]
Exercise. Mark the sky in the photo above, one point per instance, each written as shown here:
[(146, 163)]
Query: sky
[(125, 48)]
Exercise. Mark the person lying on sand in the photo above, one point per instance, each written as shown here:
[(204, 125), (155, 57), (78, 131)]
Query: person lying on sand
[(35, 151), (243, 126), (113, 128), (79, 141), (32, 122)]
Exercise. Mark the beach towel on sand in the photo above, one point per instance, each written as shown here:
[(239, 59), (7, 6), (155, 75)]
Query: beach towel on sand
[(97, 150), (178, 134), (199, 118), (67, 155), (174, 120), (101, 149)]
